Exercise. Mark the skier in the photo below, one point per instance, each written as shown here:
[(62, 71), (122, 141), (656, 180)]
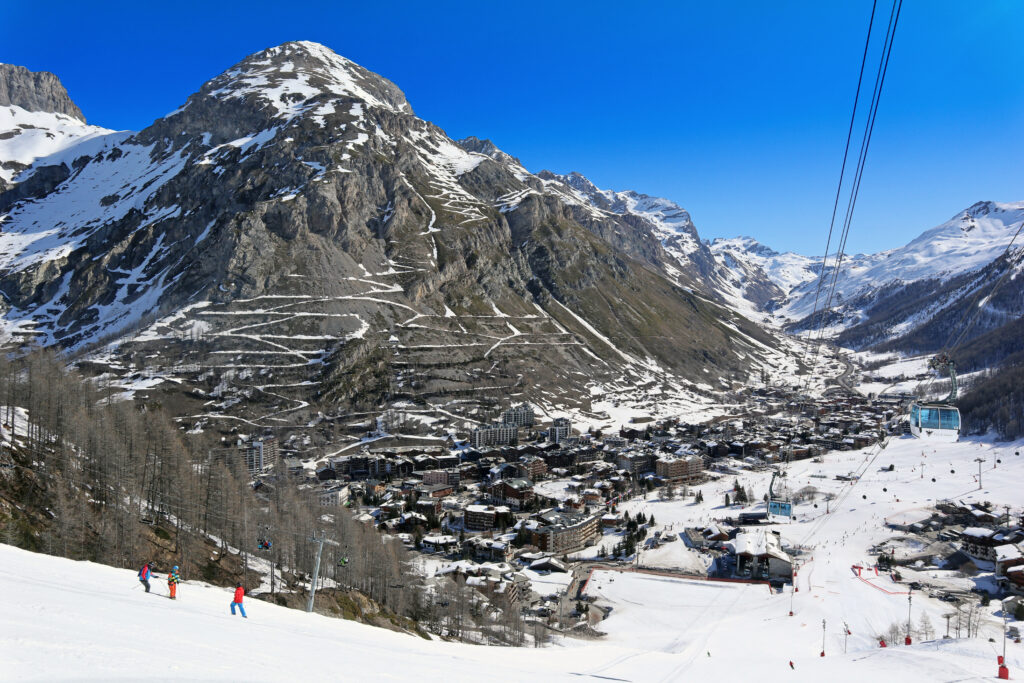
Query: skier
[(239, 594), (172, 582), (791, 664), (144, 575)]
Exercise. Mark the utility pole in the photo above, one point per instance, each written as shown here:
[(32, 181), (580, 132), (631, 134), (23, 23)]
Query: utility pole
[(1004, 672), (316, 571), (792, 592), (979, 461), (316, 566), (910, 598)]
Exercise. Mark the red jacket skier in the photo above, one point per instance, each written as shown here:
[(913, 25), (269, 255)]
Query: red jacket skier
[(239, 595)]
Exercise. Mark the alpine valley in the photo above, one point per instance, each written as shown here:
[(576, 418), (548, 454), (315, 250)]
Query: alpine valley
[(292, 248)]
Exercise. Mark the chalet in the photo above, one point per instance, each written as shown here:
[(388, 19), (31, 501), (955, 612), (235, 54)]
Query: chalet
[(294, 467), (1007, 556), (393, 508), (435, 490), (759, 554), (979, 543), (429, 506), (444, 544), (490, 550), (425, 461)]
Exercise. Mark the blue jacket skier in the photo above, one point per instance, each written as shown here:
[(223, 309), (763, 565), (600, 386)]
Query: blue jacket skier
[(144, 575)]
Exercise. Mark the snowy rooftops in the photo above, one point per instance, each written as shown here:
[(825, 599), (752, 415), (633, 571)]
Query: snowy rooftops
[(1007, 552), (757, 544), (977, 532)]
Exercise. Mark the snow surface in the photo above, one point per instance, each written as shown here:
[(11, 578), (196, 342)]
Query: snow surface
[(27, 136)]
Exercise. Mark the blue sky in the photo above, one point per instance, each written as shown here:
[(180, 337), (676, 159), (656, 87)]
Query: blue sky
[(738, 111)]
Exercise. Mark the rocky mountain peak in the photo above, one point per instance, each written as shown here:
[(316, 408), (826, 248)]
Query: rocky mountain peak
[(580, 182), (747, 244), (487, 148), (35, 91), (297, 77)]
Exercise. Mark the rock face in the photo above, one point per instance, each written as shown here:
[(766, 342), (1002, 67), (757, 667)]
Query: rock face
[(35, 91), (294, 231)]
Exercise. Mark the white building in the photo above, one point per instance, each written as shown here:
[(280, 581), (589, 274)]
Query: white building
[(521, 415), (494, 435), (561, 428)]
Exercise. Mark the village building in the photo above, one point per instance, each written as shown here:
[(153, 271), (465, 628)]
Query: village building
[(560, 430), (680, 469), (333, 496), (451, 477), (521, 416), (494, 435), (759, 555), (516, 493), (561, 532), (483, 517), (439, 543), (259, 453), (533, 468)]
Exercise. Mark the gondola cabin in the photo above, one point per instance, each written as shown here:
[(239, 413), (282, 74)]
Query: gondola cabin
[(935, 421)]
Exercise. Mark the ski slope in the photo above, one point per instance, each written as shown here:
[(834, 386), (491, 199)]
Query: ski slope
[(691, 618), (64, 620), (661, 628)]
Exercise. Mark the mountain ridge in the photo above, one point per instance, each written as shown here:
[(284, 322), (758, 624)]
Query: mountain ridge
[(293, 215)]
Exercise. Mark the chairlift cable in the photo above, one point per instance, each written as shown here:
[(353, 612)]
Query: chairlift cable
[(883, 67), (842, 167)]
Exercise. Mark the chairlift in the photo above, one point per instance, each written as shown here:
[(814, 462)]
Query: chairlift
[(263, 541), (937, 420)]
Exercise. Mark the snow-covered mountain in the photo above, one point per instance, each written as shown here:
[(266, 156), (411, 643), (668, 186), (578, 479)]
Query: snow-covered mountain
[(742, 255), (869, 284), (28, 138), (967, 242), (294, 212), (39, 124)]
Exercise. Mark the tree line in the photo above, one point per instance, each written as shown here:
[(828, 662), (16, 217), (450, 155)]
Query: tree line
[(117, 482)]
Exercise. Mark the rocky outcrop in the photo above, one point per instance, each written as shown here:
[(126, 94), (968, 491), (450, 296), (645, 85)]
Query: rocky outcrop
[(35, 91)]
